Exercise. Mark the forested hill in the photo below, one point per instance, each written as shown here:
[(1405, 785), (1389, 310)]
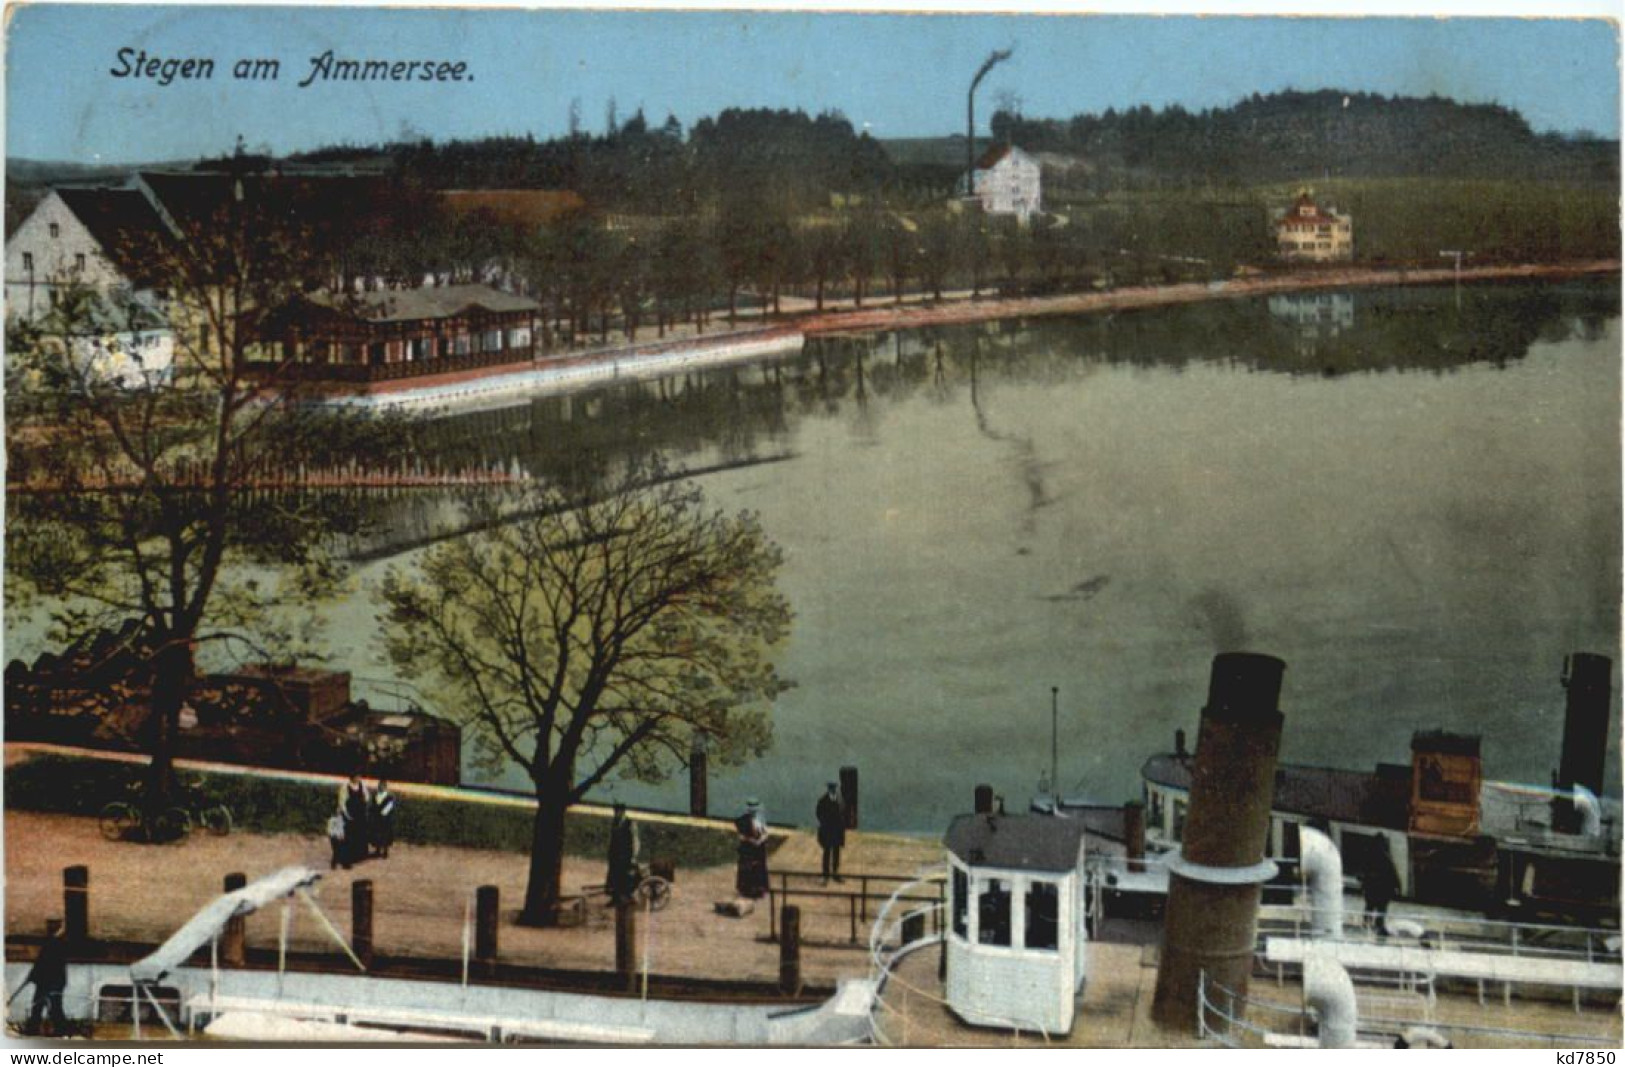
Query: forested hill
[(1293, 135)]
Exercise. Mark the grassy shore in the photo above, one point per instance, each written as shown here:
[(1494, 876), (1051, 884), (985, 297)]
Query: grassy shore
[(82, 786)]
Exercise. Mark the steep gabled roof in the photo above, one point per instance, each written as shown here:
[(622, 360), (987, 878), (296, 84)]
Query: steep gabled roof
[(122, 222), (195, 200), (996, 154), (1318, 216)]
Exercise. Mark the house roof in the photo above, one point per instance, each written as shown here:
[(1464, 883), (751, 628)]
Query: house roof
[(1319, 216), (123, 224), (195, 199), (515, 207), (1370, 798), (991, 157), (426, 302), (1017, 842)]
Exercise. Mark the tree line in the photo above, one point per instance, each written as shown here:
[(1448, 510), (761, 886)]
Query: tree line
[(1294, 135)]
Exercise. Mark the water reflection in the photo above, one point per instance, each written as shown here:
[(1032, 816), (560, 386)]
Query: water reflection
[(738, 416), (1421, 515)]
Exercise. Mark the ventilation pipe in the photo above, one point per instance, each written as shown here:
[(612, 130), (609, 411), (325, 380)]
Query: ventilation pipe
[(1323, 873), (1328, 989), (1589, 810), (1588, 678)]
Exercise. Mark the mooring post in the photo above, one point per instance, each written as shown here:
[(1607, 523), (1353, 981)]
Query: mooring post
[(849, 795), (485, 929), (233, 940), (76, 904), (790, 950), (626, 943), (984, 800), (698, 801), (1134, 834), (361, 920)]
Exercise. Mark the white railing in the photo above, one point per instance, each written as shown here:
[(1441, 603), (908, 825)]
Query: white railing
[(1256, 1022), (1457, 933), (883, 961)]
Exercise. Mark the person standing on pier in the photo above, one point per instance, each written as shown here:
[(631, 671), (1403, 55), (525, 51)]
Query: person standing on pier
[(381, 819), (623, 875), (353, 810), (751, 879), (1379, 884), (49, 976), (831, 831)]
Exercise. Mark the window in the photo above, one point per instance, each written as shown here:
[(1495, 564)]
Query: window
[(1179, 820), (1043, 915), (1154, 813), (28, 262), (491, 341), (993, 913), (961, 901), (79, 261), (56, 231)]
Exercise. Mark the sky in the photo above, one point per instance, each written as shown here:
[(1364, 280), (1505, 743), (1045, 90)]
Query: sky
[(898, 75)]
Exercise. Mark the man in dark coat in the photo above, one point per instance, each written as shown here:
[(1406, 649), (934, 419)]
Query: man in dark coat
[(831, 831), (50, 977), (1380, 884), (623, 875)]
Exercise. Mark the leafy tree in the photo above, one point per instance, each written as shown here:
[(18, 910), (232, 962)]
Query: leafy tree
[(825, 249), (940, 251), (603, 631)]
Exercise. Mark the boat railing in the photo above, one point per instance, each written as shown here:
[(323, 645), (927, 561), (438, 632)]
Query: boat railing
[(889, 945), (1259, 1022), (1455, 933)]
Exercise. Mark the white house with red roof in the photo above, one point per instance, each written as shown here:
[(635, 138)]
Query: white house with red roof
[(1007, 181), (1309, 233)]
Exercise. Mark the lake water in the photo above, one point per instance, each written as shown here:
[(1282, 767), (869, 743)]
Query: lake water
[(1410, 496)]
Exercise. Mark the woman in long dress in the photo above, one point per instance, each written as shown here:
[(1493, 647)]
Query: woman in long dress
[(751, 879)]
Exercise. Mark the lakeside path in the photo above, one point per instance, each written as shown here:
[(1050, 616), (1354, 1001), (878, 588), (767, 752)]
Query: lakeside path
[(145, 892), (1153, 296), (683, 349)]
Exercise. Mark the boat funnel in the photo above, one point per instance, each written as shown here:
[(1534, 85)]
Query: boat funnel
[(1217, 878)]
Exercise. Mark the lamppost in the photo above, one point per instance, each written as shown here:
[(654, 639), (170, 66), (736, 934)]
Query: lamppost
[(970, 117)]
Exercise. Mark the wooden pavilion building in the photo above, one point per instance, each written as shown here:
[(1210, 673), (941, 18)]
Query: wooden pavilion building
[(401, 333)]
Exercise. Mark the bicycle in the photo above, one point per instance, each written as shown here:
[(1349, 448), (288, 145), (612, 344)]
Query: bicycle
[(126, 820), (652, 892)]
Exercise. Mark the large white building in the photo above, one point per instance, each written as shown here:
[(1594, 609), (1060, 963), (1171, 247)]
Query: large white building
[(1007, 181), (1307, 232), (93, 240), (77, 237)]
